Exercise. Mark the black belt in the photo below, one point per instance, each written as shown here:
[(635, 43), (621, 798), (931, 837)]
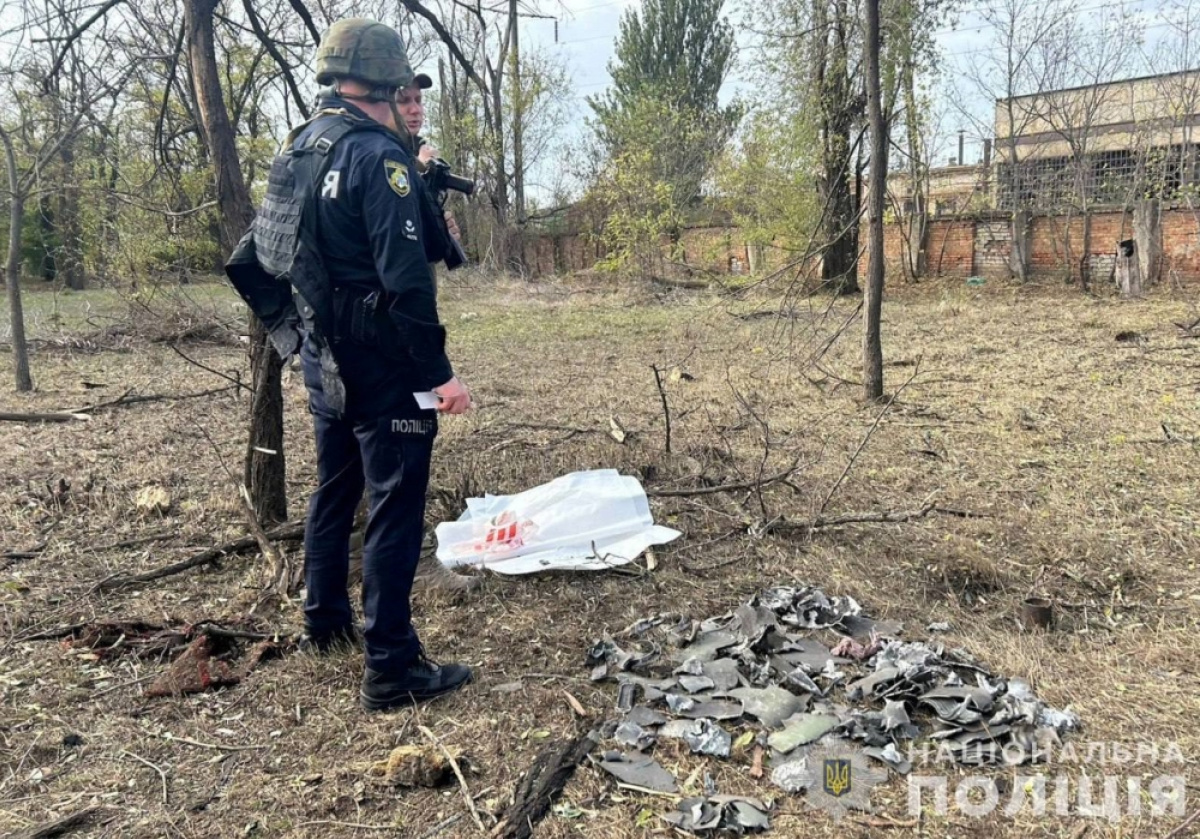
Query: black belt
[(360, 316)]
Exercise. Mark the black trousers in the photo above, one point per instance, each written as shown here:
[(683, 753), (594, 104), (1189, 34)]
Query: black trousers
[(387, 452)]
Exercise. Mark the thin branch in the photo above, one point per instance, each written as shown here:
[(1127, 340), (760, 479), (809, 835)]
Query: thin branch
[(300, 9), (155, 767), (279, 564), (75, 35), (448, 39), (127, 399), (885, 517), (56, 828), (743, 485), (221, 747), (462, 782), (192, 361), (273, 50), (662, 394), (291, 531), (7, 417), (866, 438)]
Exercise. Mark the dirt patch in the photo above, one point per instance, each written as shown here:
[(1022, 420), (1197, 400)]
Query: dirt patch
[(1024, 412)]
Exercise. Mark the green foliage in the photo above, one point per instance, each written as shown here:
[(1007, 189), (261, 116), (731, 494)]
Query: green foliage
[(671, 60), (641, 215), (636, 191), (768, 180)]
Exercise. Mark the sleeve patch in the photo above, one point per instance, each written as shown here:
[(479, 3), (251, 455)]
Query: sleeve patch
[(397, 177)]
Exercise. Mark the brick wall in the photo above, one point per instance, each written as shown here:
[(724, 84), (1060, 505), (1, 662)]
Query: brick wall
[(1181, 244), (951, 248), (993, 248), (956, 248)]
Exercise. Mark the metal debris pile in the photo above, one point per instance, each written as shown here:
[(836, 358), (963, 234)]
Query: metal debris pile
[(767, 666)]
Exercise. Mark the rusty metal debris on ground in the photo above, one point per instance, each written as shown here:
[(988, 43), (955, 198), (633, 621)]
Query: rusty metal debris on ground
[(809, 672), (204, 656)]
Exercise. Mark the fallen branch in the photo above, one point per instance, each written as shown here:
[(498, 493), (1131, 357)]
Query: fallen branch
[(28, 553), (155, 767), (773, 314), (126, 399), (221, 747), (289, 531), (443, 825), (49, 830), (886, 517), (867, 438), (743, 485), (541, 786), (1179, 831), (54, 417), (662, 395), (187, 632), (462, 782)]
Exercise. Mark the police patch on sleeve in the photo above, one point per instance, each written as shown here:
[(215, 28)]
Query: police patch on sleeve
[(397, 177)]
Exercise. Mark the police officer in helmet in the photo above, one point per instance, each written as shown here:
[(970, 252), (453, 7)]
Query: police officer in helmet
[(349, 226)]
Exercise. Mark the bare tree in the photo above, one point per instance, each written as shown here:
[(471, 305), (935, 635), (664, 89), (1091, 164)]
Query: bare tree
[(48, 119), (1082, 63), (1175, 62), (873, 301), (1009, 68), (12, 273)]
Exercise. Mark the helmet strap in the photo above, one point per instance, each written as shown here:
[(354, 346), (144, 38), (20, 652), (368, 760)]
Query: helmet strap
[(375, 94)]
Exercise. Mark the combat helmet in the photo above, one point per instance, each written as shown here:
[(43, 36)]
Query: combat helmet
[(366, 50)]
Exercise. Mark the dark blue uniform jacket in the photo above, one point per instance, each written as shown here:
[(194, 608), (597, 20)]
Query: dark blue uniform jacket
[(370, 238)]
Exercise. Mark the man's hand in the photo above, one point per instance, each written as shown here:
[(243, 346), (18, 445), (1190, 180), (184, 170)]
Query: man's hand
[(426, 153), (452, 226), (453, 397)]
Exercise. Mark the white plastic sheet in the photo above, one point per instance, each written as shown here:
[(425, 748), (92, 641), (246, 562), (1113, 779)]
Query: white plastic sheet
[(584, 521)]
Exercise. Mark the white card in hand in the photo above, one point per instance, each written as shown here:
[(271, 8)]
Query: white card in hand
[(427, 400)]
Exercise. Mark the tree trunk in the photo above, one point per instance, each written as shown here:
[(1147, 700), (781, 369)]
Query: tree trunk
[(1019, 256), (265, 462), (518, 126), (1085, 258), (1018, 263), (70, 262), (873, 304), (46, 220), (266, 470), (918, 221), (12, 274), (839, 264), (1147, 233)]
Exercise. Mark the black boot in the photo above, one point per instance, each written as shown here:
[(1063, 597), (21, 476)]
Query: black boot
[(324, 643), (422, 681)]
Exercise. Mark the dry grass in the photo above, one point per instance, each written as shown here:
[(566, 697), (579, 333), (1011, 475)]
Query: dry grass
[(1023, 408)]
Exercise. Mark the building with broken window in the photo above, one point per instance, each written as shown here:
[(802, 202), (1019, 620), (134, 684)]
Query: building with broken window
[(1103, 145), (1085, 180)]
